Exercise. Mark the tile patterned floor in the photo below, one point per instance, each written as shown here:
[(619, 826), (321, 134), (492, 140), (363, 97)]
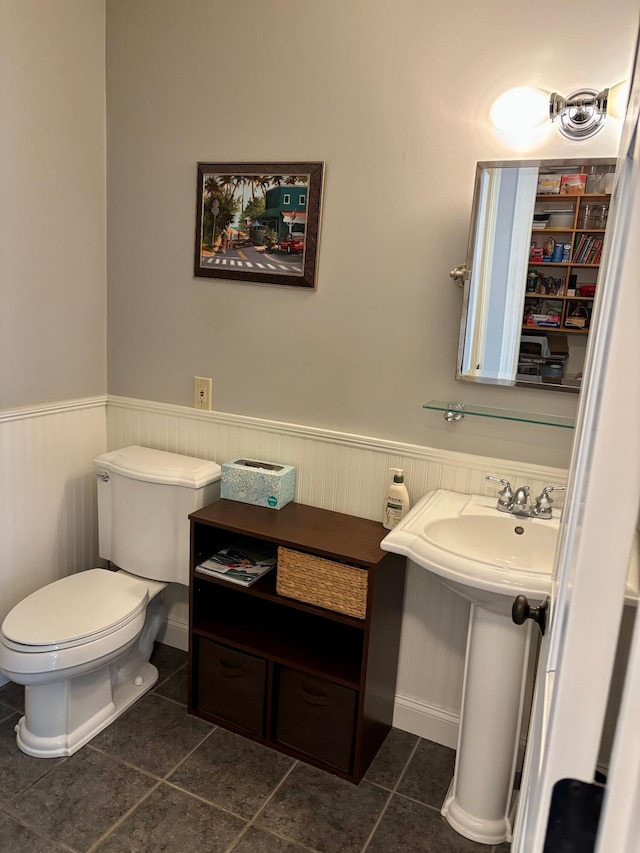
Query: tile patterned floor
[(160, 781)]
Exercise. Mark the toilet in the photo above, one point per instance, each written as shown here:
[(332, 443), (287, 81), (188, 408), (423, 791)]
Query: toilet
[(81, 645)]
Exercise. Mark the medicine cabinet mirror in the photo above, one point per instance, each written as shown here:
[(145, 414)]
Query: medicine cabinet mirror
[(531, 274)]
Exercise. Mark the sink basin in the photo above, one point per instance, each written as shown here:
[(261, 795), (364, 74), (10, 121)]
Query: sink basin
[(508, 546), (485, 555)]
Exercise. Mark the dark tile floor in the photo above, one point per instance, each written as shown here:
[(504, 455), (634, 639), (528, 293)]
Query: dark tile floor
[(160, 780)]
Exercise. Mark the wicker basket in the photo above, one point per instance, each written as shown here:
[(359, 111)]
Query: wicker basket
[(322, 582)]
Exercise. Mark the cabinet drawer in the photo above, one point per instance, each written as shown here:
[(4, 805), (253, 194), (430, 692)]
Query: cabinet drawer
[(232, 685), (316, 717)]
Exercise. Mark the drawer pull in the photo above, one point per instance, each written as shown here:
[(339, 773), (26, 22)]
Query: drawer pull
[(229, 670), (314, 699)]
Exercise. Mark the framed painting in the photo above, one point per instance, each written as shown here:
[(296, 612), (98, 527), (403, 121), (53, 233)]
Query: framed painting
[(259, 222)]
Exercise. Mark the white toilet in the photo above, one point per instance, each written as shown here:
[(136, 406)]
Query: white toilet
[(81, 645)]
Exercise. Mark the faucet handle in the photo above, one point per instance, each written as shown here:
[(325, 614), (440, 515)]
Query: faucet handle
[(505, 495), (543, 501), (544, 494)]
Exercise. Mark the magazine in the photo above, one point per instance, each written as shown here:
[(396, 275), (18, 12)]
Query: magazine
[(239, 564)]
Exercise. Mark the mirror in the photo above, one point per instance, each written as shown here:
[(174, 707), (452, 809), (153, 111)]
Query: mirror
[(530, 278)]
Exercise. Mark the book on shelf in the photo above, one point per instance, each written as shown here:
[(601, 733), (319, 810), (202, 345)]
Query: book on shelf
[(548, 184), (579, 242), (593, 256), (588, 250), (241, 564), (573, 184), (583, 249)]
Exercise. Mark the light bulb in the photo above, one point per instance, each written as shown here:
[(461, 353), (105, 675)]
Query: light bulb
[(520, 109), (617, 99)]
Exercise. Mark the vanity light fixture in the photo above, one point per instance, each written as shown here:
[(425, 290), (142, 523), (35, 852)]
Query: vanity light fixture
[(579, 116)]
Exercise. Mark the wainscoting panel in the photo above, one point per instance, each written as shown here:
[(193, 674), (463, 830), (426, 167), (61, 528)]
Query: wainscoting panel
[(345, 473), (48, 514), (48, 518)]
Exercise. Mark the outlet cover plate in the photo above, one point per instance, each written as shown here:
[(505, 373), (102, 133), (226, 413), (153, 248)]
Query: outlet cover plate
[(202, 387)]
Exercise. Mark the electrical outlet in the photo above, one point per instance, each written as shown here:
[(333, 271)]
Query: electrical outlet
[(202, 392)]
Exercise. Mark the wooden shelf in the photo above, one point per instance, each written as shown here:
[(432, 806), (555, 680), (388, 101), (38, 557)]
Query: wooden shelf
[(545, 264), (553, 296), (565, 330), (333, 651), (584, 230), (548, 203), (568, 198), (308, 681), (265, 588)]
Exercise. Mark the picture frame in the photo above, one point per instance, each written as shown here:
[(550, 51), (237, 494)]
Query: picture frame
[(259, 223)]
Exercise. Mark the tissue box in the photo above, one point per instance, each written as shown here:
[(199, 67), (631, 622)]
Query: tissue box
[(258, 483)]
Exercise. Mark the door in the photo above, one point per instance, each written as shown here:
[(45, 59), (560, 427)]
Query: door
[(597, 533)]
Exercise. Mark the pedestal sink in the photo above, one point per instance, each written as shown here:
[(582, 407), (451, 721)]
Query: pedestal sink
[(489, 557)]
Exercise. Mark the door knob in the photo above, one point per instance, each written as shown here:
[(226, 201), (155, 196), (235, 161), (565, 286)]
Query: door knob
[(522, 610)]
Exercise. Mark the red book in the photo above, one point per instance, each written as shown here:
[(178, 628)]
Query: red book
[(573, 184)]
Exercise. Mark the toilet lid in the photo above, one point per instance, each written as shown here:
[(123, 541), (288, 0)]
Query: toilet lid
[(76, 608)]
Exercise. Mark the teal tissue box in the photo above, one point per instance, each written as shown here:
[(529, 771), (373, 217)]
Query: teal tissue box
[(258, 483)]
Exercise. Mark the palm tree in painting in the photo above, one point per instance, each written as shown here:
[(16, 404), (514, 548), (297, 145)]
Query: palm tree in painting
[(219, 207)]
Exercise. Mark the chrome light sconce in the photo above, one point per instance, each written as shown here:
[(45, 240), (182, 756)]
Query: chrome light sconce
[(581, 115), (526, 109)]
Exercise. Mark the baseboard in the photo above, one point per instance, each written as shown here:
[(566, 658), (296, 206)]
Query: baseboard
[(175, 633), (426, 721)]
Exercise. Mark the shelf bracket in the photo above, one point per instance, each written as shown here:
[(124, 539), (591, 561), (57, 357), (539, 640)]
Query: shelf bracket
[(454, 413)]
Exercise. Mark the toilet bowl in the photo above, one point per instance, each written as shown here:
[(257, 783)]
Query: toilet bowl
[(81, 645)]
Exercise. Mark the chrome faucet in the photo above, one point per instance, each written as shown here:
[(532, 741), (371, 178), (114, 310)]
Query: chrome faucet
[(518, 502), (521, 501)]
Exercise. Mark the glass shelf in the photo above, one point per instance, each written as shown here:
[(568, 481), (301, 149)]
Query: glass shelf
[(457, 411)]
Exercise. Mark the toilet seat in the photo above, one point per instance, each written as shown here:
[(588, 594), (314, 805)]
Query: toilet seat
[(74, 611)]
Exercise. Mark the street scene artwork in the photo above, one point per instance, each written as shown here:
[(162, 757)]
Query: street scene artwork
[(259, 222)]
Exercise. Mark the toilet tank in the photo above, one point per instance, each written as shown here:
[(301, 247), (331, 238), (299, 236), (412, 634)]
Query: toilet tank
[(144, 500)]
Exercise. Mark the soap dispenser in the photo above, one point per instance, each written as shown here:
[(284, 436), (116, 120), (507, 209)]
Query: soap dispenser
[(396, 502)]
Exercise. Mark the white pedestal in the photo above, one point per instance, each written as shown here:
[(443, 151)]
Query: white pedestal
[(478, 804)]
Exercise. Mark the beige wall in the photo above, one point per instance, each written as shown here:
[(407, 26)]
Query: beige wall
[(394, 103), (395, 100), (52, 203)]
